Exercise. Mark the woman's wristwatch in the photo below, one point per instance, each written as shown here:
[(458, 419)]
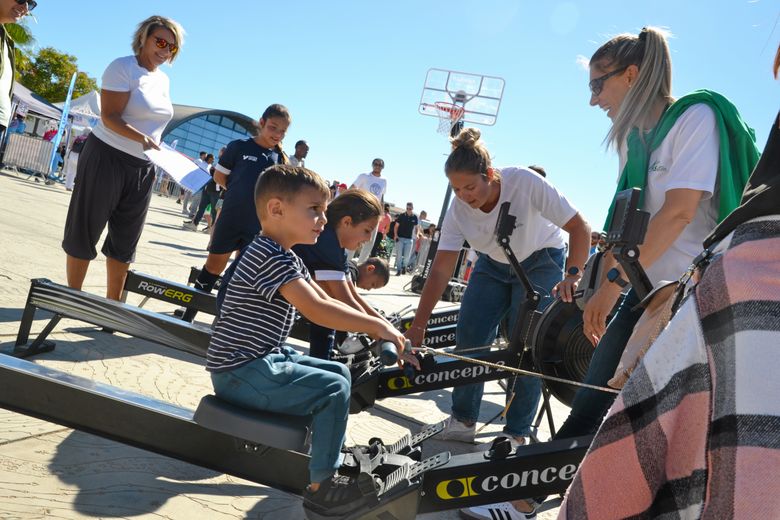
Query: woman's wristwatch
[(613, 275), (574, 271)]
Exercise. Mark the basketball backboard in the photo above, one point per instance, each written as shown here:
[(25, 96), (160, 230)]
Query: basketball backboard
[(479, 95)]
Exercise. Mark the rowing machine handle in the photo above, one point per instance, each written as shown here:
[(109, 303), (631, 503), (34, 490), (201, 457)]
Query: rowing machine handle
[(387, 352)]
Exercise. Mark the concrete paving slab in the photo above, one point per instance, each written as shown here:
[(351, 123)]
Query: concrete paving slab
[(47, 471)]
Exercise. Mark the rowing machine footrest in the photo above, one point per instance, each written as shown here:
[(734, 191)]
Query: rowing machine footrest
[(286, 432)]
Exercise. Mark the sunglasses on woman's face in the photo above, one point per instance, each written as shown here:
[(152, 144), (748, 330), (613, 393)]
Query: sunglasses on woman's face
[(597, 84), (31, 4), (162, 43)]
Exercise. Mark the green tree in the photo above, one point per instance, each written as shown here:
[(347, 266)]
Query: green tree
[(49, 73), (24, 43)]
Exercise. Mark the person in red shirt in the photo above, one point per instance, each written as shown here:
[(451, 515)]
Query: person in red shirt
[(381, 232)]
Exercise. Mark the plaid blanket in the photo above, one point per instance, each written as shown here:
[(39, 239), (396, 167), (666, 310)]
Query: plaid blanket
[(695, 433)]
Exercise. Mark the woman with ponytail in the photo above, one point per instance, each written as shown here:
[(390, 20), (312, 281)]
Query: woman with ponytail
[(494, 291), (694, 433), (237, 171), (690, 156)]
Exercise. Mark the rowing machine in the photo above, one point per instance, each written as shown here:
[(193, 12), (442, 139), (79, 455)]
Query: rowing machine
[(270, 448)]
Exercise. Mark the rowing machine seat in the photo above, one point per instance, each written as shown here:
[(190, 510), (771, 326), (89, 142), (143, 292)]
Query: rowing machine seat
[(286, 432)]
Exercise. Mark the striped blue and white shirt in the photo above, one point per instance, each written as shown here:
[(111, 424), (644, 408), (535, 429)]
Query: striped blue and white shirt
[(255, 319)]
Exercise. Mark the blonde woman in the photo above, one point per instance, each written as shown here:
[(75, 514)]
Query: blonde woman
[(115, 178)]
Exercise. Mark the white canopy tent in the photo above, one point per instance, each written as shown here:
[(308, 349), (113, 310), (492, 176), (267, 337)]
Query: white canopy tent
[(29, 102), (85, 109)]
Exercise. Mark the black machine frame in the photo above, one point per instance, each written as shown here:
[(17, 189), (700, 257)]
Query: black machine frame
[(408, 485)]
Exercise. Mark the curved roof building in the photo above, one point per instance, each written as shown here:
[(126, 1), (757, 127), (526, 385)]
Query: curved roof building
[(197, 129)]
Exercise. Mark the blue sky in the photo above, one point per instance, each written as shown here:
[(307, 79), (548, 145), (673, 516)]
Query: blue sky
[(351, 73)]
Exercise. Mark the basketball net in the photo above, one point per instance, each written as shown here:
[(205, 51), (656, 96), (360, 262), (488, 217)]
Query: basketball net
[(449, 114)]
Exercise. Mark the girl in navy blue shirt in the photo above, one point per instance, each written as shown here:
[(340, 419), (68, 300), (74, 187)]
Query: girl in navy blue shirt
[(238, 170), (352, 218)]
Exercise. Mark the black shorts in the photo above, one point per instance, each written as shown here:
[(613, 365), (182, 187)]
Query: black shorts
[(114, 188), (235, 229)]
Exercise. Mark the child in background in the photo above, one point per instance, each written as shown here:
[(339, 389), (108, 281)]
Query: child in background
[(238, 169), (250, 365), (374, 273)]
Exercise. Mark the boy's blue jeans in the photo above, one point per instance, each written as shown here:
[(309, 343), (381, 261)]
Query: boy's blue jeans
[(294, 384), (495, 292)]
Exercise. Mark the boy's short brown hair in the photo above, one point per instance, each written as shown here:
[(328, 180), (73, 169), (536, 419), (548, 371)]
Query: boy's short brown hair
[(284, 182)]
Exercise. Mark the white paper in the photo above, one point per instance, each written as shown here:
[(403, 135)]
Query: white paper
[(186, 173)]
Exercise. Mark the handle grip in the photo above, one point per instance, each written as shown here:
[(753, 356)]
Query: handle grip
[(388, 354)]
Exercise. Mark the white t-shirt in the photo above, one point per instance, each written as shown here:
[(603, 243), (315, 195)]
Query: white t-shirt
[(540, 209), (6, 79), (294, 161), (687, 158), (372, 184), (149, 108)]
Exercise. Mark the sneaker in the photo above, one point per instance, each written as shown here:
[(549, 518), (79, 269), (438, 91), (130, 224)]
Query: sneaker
[(514, 443), (190, 225), (457, 431), (341, 495), (500, 511)]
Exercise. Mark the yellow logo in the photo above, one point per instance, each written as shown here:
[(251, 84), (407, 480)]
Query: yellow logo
[(178, 295), (458, 488), (399, 383)]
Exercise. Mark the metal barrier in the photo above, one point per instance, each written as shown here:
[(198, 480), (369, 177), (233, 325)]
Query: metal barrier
[(28, 153)]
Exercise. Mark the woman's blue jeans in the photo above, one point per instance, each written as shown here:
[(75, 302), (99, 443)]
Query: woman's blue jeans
[(495, 292), (590, 406), (294, 384)]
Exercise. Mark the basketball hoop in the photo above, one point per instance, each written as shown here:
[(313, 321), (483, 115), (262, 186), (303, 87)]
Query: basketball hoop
[(449, 114)]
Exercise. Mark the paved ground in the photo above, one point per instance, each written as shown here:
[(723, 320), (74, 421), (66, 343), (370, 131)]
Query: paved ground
[(47, 471)]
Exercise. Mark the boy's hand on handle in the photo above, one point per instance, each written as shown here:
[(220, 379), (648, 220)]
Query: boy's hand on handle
[(388, 332)]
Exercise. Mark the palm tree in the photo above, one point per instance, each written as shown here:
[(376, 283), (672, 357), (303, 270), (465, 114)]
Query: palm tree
[(22, 36)]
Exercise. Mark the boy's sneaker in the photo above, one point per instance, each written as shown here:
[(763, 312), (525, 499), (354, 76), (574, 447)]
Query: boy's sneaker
[(457, 431), (190, 225), (500, 511), (341, 495)]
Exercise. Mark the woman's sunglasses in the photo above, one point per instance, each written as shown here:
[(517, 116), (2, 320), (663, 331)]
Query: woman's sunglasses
[(31, 4), (162, 43), (597, 84)]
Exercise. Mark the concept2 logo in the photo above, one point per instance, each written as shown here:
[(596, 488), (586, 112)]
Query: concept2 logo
[(456, 374), (473, 486), (163, 291)]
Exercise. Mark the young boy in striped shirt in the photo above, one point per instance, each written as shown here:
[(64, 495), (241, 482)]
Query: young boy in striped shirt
[(250, 365)]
